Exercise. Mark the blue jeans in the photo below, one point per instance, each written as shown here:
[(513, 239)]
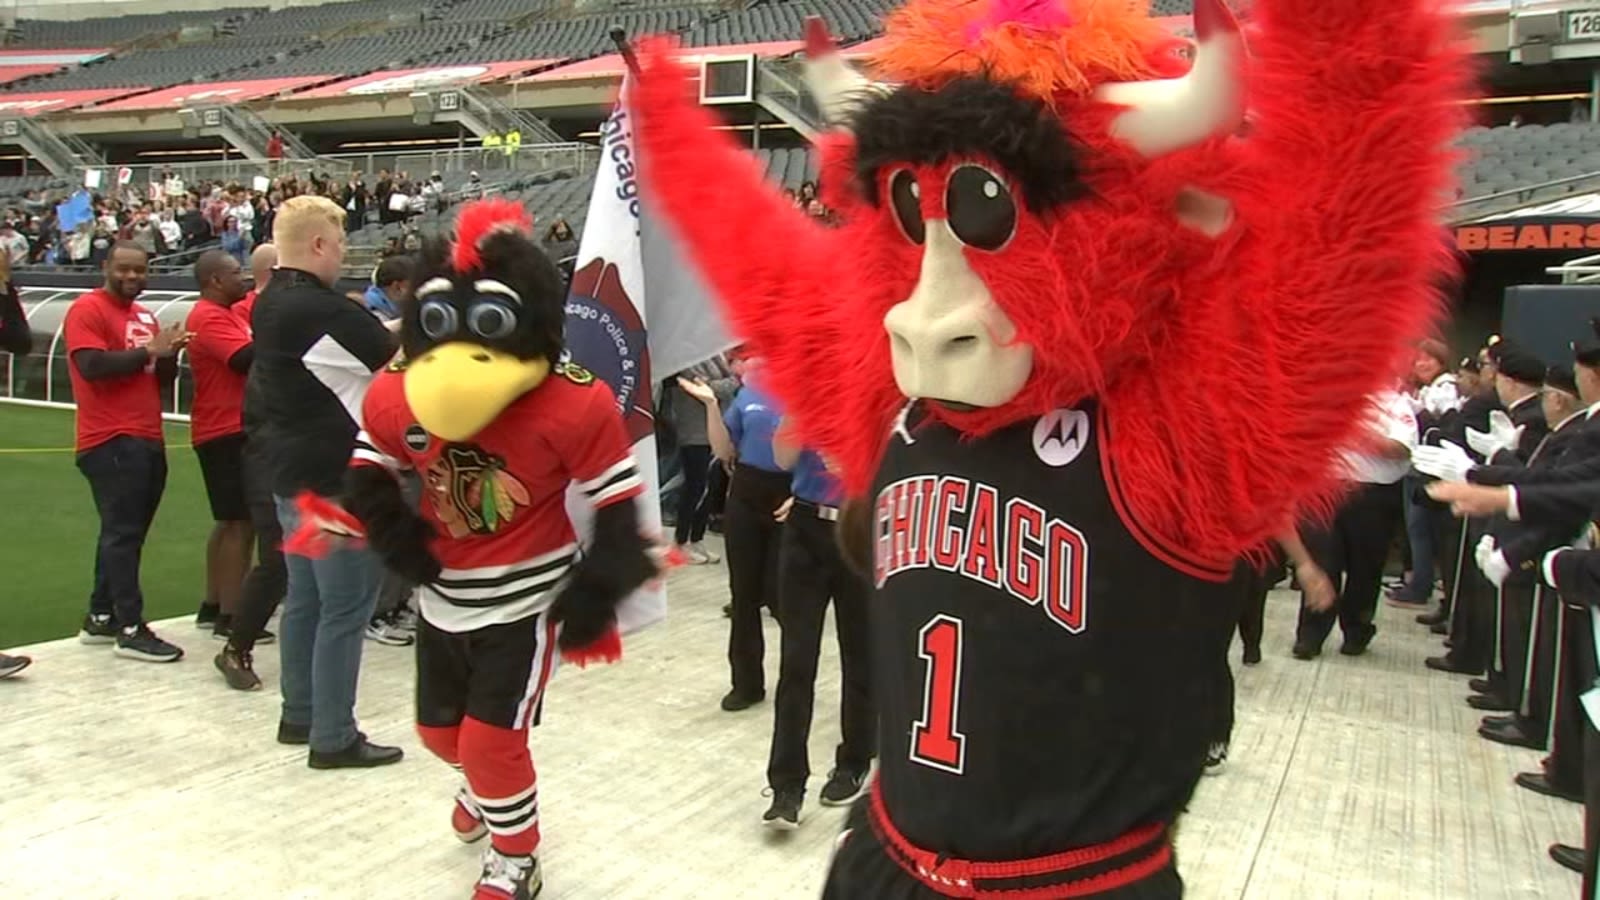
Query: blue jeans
[(1419, 531), (325, 610)]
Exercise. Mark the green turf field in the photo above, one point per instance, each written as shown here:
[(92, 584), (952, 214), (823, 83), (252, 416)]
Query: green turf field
[(48, 527)]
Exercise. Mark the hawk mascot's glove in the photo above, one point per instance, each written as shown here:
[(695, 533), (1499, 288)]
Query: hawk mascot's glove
[(617, 563), (394, 531)]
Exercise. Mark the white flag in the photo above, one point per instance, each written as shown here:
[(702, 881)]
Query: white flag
[(608, 311)]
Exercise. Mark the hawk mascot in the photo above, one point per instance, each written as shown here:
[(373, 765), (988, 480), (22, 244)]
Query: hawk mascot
[(1099, 315), (499, 427)]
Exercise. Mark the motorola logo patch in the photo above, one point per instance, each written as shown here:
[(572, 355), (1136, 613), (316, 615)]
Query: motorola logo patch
[(1060, 435)]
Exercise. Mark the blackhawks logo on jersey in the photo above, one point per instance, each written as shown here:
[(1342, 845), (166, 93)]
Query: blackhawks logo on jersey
[(471, 491)]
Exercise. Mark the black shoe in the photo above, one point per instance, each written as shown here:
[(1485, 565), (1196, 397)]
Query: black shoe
[(1355, 646), (736, 701), (1305, 651), (223, 631), (727, 610), (1489, 703), (100, 629), (236, 668), (1481, 685), (207, 615), (1569, 857), (361, 754), (1497, 721), (784, 813), (1440, 628), (843, 787), (140, 643), (1403, 601), (1445, 664), (1540, 783), (1252, 654), (1511, 735), (294, 735), (1436, 617), (11, 665)]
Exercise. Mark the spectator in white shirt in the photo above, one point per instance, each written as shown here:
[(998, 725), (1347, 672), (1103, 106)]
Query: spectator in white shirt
[(14, 244), (1353, 548)]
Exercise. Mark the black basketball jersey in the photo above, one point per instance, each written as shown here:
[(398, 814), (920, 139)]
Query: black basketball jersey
[(1045, 681)]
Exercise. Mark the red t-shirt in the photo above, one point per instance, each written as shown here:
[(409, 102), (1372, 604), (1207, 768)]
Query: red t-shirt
[(218, 389), (244, 307), (127, 405)]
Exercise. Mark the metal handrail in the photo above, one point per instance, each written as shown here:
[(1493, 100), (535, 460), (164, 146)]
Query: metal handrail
[(1519, 192)]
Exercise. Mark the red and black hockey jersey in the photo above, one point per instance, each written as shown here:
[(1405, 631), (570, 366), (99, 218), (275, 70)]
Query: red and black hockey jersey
[(1047, 679), (498, 502)]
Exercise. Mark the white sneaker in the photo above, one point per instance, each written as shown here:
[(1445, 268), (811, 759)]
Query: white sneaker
[(513, 877), (1216, 758), (702, 554), (405, 620), (384, 632)]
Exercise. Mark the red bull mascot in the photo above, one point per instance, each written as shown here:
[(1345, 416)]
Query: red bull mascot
[(1096, 319)]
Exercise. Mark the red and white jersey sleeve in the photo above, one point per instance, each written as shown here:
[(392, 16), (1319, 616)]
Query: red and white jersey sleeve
[(383, 416), (596, 450)]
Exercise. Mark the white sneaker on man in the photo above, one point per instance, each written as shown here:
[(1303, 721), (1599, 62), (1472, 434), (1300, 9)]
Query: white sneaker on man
[(702, 555), (383, 631)]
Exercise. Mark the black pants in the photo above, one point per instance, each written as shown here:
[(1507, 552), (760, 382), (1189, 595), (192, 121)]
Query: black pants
[(1447, 535), (1473, 610), (863, 870), (1352, 550), (264, 586), (127, 476), (1575, 672), (716, 492), (1539, 679), (695, 460), (812, 572), (1516, 625), (752, 542), (1254, 585)]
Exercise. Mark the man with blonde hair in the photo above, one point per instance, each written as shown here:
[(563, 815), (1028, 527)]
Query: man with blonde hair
[(316, 353)]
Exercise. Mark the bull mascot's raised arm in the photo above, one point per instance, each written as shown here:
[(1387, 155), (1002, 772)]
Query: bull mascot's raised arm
[(1096, 323)]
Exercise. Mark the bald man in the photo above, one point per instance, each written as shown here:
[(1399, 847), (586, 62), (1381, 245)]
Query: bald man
[(220, 355), (262, 261)]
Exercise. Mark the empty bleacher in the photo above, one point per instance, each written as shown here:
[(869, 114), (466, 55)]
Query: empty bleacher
[(577, 37), (849, 20), (114, 31), (391, 49), (1171, 7), (325, 18), (1503, 159), (165, 67)]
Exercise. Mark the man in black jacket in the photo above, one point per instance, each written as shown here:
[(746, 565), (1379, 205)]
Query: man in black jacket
[(316, 352), (14, 338)]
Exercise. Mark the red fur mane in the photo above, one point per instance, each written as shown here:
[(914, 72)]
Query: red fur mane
[(1231, 368), (478, 220)]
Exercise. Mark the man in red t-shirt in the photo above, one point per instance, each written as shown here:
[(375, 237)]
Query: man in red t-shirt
[(119, 357), (220, 354)]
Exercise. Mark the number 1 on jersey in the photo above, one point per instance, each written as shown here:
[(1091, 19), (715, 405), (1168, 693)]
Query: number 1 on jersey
[(935, 741)]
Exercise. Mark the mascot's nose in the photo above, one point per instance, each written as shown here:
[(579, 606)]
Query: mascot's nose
[(949, 340), (458, 388)]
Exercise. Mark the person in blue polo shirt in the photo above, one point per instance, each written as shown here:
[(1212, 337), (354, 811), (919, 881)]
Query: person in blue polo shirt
[(812, 571), (742, 437)]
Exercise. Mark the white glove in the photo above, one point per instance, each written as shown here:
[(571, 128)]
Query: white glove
[(1447, 462), (1502, 435), (1492, 562)]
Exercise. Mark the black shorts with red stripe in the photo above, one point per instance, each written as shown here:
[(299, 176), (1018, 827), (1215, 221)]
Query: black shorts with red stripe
[(863, 869), (495, 674)]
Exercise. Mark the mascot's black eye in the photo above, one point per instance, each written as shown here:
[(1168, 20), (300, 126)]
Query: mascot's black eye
[(438, 319), (982, 213), (491, 320), (906, 198)]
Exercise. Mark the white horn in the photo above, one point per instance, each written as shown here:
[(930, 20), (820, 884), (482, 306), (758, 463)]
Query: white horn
[(1173, 113), (833, 82)]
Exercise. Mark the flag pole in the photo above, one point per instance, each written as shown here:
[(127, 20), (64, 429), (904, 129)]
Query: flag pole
[(620, 38)]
